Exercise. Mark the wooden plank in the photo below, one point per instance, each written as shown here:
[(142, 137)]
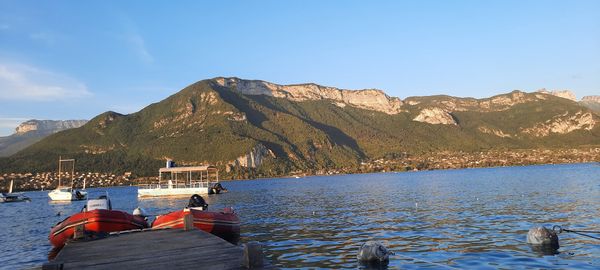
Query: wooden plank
[(118, 249), (153, 249)]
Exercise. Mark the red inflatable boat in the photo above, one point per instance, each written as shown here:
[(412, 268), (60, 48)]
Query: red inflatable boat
[(95, 221), (224, 224)]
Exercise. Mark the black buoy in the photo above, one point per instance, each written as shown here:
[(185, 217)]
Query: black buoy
[(373, 253), (543, 240)]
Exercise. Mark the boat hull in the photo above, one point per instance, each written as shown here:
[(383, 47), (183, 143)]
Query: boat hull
[(97, 222), (13, 197), (224, 224), (156, 192), (59, 195)]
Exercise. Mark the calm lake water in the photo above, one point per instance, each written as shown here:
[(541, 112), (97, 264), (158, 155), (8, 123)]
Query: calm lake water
[(472, 218)]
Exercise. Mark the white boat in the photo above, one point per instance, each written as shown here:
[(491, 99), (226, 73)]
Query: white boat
[(67, 193), (175, 181), (13, 196)]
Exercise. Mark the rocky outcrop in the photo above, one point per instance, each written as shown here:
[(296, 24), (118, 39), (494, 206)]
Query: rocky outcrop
[(559, 93), (30, 132), (435, 116), (592, 103), (562, 124), (254, 158), (370, 99), (505, 102), (591, 99), (494, 131), (48, 126), (493, 104)]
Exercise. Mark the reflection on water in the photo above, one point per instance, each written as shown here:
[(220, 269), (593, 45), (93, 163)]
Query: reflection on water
[(474, 218)]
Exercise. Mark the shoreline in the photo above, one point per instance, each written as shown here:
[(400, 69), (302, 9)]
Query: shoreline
[(357, 173)]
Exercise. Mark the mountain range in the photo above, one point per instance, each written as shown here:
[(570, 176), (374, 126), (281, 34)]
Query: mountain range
[(274, 129), (32, 131)]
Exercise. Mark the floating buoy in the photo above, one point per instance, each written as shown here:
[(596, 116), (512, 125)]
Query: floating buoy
[(543, 239), (373, 252)]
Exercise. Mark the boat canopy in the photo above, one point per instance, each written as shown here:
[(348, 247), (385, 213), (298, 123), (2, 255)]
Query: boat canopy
[(188, 169), (189, 175)]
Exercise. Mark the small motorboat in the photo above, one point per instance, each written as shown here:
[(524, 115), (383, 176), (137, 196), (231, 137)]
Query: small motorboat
[(224, 224), (98, 219), (13, 197)]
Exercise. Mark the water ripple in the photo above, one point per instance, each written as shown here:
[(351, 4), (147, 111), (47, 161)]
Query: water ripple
[(475, 218)]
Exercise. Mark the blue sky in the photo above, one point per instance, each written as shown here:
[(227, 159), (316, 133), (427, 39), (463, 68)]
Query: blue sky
[(77, 59)]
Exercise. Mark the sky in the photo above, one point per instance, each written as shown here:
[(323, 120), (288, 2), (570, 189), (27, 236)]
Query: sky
[(77, 59)]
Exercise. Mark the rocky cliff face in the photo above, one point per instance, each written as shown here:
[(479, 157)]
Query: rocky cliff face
[(31, 131), (591, 102), (591, 99), (563, 124), (435, 116), (48, 126), (492, 104), (370, 99), (254, 158), (559, 93)]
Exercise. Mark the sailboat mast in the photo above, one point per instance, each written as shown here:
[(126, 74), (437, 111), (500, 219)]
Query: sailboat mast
[(11, 186), (73, 174), (59, 163)]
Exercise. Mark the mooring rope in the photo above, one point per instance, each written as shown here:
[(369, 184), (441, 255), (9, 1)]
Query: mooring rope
[(559, 229)]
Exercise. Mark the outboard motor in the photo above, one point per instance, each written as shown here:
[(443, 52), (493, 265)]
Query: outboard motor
[(101, 203), (196, 201), (217, 189), (140, 212), (78, 195)]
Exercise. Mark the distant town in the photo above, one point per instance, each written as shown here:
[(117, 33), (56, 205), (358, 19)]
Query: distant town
[(400, 163)]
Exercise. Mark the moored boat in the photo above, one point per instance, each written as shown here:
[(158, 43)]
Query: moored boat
[(97, 218), (224, 224), (181, 181), (67, 193), (13, 196)]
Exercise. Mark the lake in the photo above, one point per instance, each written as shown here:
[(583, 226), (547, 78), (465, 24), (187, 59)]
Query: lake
[(469, 218)]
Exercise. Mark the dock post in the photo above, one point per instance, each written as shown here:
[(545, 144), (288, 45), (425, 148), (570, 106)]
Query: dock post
[(79, 231), (188, 222), (53, 266), (253, 255)]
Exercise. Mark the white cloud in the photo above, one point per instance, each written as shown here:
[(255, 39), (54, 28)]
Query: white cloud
[(134, 40), (139, 46), (23, 82)]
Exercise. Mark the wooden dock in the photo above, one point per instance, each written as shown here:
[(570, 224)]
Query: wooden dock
[(155, 249)]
